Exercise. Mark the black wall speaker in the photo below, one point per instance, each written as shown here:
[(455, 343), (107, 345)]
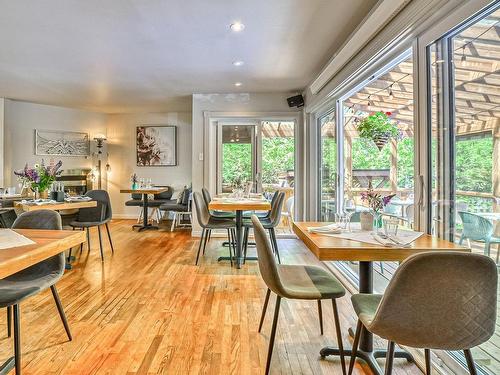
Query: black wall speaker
[(295, 101)]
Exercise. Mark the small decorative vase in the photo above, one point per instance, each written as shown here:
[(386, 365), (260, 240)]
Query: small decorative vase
[(44, 194), (366, 221), (134, 185), (377, 221), (381, 141)]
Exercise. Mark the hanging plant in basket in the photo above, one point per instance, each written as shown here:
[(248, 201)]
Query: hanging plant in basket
[(379, 128)]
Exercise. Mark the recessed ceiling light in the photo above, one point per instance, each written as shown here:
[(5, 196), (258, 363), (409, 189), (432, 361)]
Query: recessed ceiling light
[(238, 84), (238, 63), (237, 27)]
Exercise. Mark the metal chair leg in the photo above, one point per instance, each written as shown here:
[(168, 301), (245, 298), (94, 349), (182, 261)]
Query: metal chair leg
[(427, 354), (229, 232), (245, 244), (61, 311), (339, 334), (199, 246), (109, 238), (17, 338), (273, 239), (100, 242), (88, 239), (354, 350), (264, 308), (9, 321), (320, 313), (390, 358), (273, 335), (207, 236), (470, 362), (173, 222)]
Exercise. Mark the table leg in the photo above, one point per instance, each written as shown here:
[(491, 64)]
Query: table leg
[(365, 351), (145, 224), (239, 235)]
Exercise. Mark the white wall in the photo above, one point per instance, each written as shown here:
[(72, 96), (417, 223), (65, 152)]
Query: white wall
[(21, 120), (121, 132), (237, 104), (2, 105)]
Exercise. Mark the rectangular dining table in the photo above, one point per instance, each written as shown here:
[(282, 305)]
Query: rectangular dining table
[(47, 243), (145, 191), (239, 206), (331, 248)]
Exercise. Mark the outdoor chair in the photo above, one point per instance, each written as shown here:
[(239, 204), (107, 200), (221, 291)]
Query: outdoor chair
[(477, 228)]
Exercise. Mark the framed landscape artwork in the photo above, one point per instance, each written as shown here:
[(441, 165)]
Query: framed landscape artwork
[(156, 145), (61, 143)]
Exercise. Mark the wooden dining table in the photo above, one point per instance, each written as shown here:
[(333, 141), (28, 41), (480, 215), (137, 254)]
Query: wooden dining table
[(145, 191), (331, 248), (59, 206), (47, 243), (239, 206)]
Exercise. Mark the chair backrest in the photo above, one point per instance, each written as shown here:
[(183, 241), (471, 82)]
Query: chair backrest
[(136, 196), (410, 213), (102, 212), (290, 204), (267, 262), (41, 219), (38, 219), (440, 300), (476, 227), (206, 196), (276, 207), (166, 194), (7, 218), (202, 212), (392, 209)]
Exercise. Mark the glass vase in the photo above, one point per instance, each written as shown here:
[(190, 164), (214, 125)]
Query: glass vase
[(377, 221)]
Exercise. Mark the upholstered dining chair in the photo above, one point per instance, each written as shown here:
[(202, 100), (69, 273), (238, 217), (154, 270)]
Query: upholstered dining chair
[(16, 288), (435, 300), (269, 222), (209, 223), (95, 217), (207, 198), (477, 228), (301, 282)]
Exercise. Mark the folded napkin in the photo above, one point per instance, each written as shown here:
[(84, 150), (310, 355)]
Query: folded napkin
[(389, 241), (78, 199), (39, 202), (330, 229)]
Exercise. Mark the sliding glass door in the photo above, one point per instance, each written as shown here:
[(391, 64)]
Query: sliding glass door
[(328, 169), (259, 154), (463, 101)]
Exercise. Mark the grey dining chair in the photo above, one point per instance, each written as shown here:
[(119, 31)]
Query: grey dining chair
[(302, 282), (435, 300), (16, 288), (209, 223), (95, 217), (207, 198), (269, 222)]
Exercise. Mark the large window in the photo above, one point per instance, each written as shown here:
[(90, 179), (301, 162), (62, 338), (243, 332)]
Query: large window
[(328, 174), (464, 102)]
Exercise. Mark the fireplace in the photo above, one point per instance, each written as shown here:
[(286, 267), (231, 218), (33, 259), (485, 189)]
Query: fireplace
[(76, 181)]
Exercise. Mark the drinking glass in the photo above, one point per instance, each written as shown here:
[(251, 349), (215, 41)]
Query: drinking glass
[(391, 226), (342, 220)]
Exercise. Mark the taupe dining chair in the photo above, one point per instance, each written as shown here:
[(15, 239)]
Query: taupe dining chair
[(16, 288), (435, 300), (294, 282), (208, 223), (269, 222)]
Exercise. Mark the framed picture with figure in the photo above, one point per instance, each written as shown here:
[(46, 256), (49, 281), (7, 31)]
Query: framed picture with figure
[(156, 145)]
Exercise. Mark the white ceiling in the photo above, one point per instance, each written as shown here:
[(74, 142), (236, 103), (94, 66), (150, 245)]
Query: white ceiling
[(150, 55)]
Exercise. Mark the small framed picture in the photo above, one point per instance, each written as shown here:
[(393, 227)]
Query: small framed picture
[(156, 145)]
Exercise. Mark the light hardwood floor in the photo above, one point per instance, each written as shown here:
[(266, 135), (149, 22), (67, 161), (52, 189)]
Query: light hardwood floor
[(149, 310)]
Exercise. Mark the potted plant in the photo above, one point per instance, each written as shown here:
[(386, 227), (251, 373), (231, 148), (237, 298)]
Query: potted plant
[(376, 203), (40, 177), (379, 128)]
